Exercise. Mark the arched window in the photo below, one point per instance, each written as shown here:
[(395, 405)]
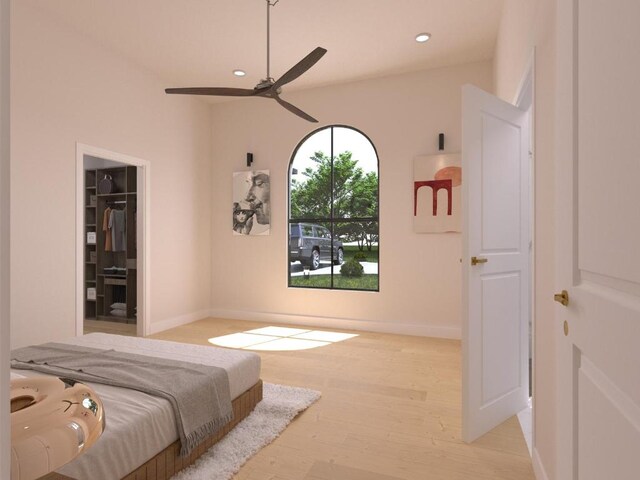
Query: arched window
[(333, 211)]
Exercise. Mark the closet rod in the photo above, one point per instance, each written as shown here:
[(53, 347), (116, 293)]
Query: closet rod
[(117, 201)]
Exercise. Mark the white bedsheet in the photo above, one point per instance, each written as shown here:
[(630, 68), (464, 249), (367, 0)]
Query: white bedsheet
[(139, 426)]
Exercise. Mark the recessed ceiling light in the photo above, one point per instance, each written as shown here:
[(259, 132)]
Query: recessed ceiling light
[(239, 73), (423, 37)]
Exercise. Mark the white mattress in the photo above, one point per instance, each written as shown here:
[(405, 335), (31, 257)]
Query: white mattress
[(139, 426)]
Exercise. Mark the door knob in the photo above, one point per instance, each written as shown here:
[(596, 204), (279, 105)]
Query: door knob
[(562, 298), (477, 260)]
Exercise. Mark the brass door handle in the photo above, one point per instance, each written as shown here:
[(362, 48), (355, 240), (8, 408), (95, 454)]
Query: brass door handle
[(477, 260), (562, 298)]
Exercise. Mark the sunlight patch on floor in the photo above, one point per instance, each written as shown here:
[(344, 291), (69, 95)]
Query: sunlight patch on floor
[(278, 331), (289, 344), (280, 339), (240, 340)]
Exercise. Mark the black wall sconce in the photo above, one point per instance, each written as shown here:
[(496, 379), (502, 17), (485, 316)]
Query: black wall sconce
[(249, 159), (441, 142)]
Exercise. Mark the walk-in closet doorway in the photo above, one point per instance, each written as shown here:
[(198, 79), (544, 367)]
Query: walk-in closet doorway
[(112, 242)]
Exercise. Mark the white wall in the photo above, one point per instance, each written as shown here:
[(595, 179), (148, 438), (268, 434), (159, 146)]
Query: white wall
[(4, 239), (419, 274), (514, 46), (67, 89), (527, 24)]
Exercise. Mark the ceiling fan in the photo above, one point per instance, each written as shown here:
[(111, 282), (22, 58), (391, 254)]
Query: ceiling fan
[(268, 87)]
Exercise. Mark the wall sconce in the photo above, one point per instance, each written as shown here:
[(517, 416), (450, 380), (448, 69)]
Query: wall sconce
[(249, 159), (441, 142)]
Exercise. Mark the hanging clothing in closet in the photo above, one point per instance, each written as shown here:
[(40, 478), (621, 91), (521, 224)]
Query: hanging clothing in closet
[(118, 226), (106, 228)]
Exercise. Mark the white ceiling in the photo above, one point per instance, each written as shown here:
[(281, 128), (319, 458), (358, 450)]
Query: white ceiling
[(199, 42)]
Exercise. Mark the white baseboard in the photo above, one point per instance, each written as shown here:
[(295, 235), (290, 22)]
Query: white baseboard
[(340, 323), (162, 325), (538, 468)]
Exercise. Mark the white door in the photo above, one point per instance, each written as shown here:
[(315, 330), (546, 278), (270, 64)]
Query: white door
[(495, 337), (598, 240)]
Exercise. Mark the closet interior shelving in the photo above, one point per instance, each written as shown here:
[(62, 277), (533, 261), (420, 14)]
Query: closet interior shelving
[(110, 287)]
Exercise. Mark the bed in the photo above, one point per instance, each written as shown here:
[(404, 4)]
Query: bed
[(141, 439)]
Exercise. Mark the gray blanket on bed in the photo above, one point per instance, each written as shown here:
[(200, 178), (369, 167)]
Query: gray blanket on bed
[(199, 394)]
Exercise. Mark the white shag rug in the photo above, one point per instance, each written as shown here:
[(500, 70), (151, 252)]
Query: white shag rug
[(279, 406)]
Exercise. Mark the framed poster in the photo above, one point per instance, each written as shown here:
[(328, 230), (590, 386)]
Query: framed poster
[(437, 193), (251, 203)]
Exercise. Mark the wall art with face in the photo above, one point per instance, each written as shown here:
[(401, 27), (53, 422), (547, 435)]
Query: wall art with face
[(251, 203)]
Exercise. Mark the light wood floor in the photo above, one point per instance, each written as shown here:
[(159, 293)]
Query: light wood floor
[(116, 328), (390, 410)]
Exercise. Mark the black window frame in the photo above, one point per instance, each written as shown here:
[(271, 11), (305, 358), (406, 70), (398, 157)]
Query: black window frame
[(332, 220)]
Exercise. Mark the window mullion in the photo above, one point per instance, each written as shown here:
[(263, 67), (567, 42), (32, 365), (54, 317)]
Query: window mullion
[(332, 205)]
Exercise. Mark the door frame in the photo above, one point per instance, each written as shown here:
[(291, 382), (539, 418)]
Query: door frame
[(525, 99), (5, 342), (144, 216)]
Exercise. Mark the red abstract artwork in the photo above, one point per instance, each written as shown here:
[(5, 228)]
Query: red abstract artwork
[(439, 210), (435, 185)]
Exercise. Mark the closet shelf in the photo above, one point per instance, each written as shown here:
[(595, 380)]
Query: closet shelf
[(91, 187), (90, 225)]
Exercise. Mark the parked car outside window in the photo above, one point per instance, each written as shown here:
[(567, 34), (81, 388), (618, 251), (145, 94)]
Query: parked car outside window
[(311, 245)]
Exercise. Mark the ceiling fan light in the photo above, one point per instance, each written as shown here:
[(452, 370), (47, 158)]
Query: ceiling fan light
[(423, 37), (239, 73)]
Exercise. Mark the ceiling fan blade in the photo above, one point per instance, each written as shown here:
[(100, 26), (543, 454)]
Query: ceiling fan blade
[(299, 68), (225, 92), (295, 110)]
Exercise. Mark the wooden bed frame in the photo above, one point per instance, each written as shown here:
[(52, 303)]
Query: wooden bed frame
[(168, 462)]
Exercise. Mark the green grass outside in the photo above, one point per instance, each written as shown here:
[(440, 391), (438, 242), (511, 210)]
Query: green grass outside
[(366, 282), (350, 251)]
